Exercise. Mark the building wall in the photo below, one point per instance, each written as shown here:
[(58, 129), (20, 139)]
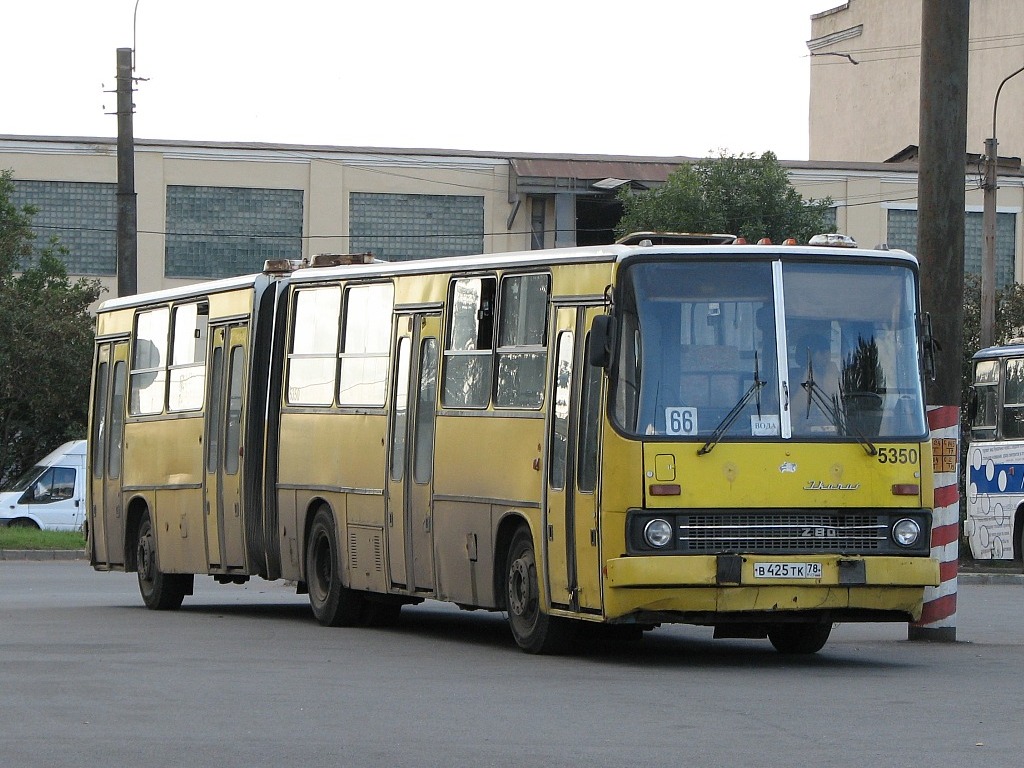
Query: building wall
[(209, 210), (865, 202), (406, 205), (870, 111)]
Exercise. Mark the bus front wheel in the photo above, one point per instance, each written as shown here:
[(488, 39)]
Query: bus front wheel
[(799, 638), (333, 604), (534, 630), (160, 591)]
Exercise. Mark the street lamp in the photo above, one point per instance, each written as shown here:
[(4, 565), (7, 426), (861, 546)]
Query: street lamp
[(988, 223)]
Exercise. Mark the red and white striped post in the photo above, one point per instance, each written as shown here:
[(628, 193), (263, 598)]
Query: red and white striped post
[(938, 619)]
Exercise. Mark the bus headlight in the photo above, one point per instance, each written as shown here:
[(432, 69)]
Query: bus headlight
[(906, 532), (658, 533)]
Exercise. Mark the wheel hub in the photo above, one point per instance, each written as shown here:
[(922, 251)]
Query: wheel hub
[(519, 594), (145, 557)]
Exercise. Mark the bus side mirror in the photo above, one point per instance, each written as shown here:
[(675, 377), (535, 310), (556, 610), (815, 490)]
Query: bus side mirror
[(928, 344), (602, 332)]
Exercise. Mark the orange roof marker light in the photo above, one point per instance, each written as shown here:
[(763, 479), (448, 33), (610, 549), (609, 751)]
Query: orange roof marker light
[(765, 241), (834, 240)]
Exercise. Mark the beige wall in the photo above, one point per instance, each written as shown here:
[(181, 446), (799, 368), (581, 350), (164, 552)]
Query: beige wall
[(326, 178), (862, 192), (869, 111), (864, 197)]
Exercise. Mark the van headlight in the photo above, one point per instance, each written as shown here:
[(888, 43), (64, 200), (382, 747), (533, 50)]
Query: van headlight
[(906, 532), (658, 533)]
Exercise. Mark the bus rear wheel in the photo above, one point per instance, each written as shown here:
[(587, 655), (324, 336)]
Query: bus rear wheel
[(800, 638), (160, 591), (534, 630), (333, 604)]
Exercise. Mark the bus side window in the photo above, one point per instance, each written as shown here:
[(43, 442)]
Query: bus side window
[(468, 343), (188, 357), (149, 360), (984, 399), (313, 359), (364, 344), (522, 345), (1013, 399)]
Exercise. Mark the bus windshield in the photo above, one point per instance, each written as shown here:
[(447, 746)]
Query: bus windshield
[(767, 350)]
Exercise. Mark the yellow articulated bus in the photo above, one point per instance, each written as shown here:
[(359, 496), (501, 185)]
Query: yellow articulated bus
[(635, 434)]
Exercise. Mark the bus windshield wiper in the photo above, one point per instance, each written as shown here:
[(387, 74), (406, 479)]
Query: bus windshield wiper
[(830, 407), (754, 390)]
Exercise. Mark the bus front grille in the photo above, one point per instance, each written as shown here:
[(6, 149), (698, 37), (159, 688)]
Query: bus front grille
[(782, 532)]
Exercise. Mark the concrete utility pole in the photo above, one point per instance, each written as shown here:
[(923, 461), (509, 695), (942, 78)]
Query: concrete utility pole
[(127, 204), (940, 247), (941, 197)]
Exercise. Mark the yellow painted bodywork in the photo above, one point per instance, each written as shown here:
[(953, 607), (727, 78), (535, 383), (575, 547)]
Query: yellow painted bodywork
[(484, 457), (732, 476), (689, 583), (766, 475), (490, 466), (163, 465)]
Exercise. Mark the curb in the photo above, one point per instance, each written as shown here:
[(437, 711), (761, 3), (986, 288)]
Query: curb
[(994, 579), (42, 554)]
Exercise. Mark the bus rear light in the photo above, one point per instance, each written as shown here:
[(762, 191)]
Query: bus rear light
[(906, 489), (665, 489)]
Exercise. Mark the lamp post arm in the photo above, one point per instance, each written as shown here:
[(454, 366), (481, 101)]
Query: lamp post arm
[(988, 226), (995, 103)]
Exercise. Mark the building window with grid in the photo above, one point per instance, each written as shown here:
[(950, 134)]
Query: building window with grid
[(227, 231), (901, 232), (830, 219), (83, 215), (396, 227)]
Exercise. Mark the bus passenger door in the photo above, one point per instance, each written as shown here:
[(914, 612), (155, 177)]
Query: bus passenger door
[(571, 509), (225, 538), (411, 453), (106, 447)]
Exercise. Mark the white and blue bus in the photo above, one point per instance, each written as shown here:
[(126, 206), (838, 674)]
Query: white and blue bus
[(995, 456)]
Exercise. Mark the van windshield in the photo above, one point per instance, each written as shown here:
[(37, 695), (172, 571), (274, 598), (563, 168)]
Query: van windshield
[(26, 479)]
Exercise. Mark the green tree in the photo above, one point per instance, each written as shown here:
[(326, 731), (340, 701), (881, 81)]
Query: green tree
[(742, 195), (45, 344), (1009, 321)]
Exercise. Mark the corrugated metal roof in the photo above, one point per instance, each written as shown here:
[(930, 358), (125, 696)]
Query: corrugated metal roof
[(548, 168)]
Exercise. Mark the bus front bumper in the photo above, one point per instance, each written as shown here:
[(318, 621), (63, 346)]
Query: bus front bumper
[(727, 584)]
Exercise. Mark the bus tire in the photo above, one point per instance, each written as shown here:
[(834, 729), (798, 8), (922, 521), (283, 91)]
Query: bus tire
[(799, 638), (160, 591), (534, 630), (333, 604)]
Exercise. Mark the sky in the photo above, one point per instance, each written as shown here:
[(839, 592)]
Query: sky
[(622, 77)]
